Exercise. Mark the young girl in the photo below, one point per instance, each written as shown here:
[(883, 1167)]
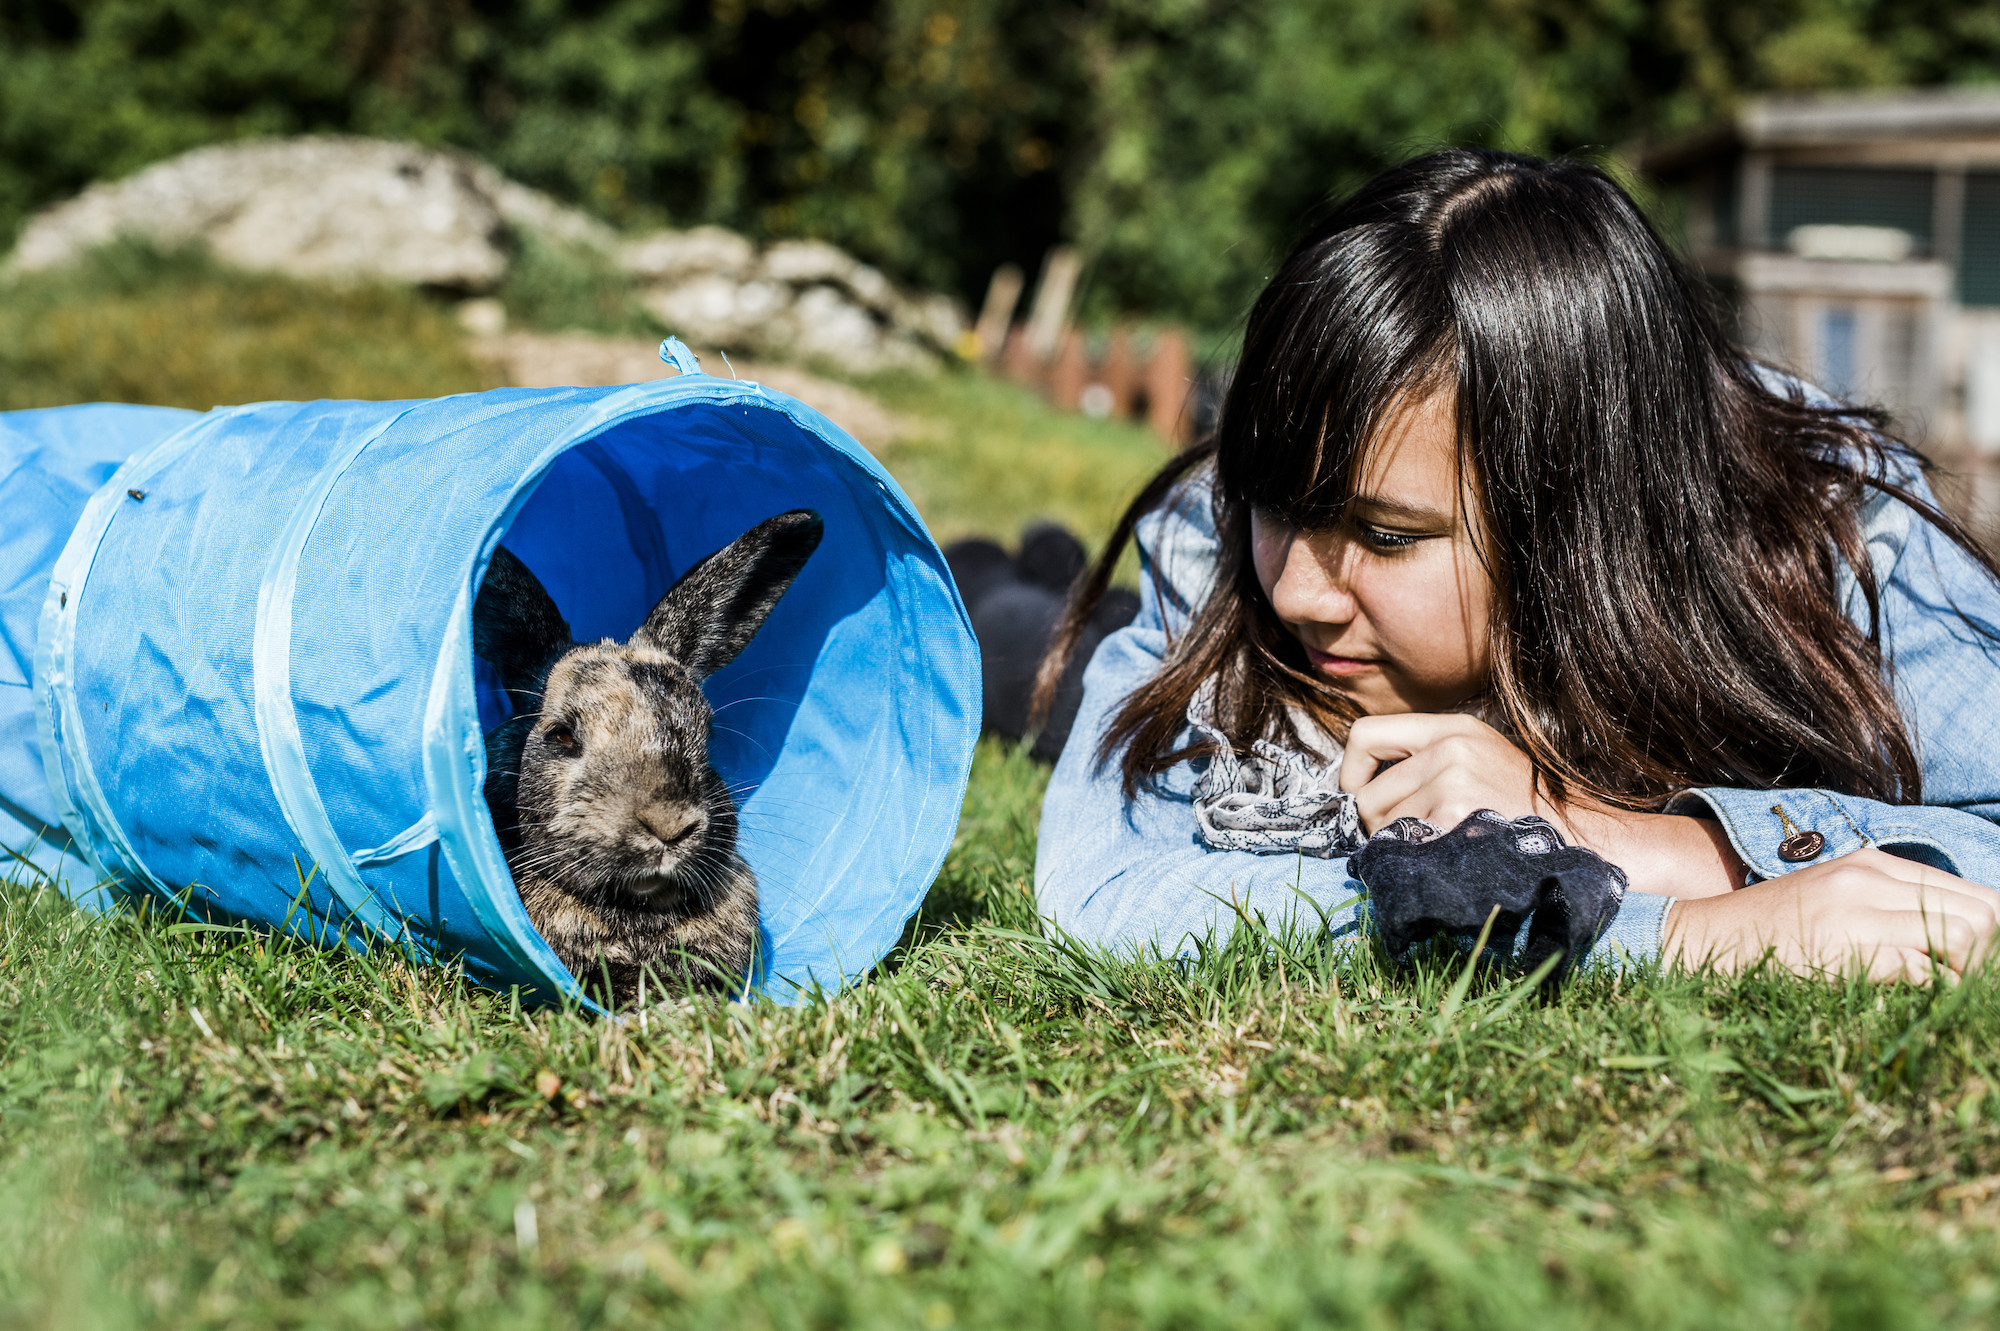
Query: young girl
[(1497, 517)]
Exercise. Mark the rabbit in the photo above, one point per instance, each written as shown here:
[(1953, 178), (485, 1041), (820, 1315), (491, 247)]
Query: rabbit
[(620, 835)]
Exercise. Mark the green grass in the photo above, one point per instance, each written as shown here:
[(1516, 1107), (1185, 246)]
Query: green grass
[(131, 325), (222, 1129), (987, 458), (564, 288)]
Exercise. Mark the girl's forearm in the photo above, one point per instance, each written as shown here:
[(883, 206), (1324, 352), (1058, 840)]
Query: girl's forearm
[(1669, 855)]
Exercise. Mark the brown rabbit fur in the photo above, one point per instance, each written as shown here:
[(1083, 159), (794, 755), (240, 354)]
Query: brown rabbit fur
[(620, 835)]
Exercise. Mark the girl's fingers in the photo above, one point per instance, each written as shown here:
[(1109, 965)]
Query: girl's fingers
[(1912, 965), (1958, 940), (1382, 800), (1942, 901), (1896, 919), (1375, 740), (1982, 899)]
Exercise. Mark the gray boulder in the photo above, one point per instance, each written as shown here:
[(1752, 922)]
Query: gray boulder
[(799, 300), (674, 256), (317, 208)]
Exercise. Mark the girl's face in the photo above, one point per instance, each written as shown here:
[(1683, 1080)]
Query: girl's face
[(1393, 606)]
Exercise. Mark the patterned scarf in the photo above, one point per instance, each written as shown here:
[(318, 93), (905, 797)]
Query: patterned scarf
[(1273, 802)]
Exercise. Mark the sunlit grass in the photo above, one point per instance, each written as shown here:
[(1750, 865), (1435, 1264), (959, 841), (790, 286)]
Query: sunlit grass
[(202, 1129), (134, 326), (987, 458)]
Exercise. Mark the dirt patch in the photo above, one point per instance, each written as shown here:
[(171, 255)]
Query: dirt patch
[(550, 360)]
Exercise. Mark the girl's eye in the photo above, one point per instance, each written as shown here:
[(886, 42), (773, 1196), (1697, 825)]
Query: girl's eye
[(1381, 539)]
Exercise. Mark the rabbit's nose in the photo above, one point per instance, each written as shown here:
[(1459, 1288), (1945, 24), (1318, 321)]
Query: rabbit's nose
[(674, 830)]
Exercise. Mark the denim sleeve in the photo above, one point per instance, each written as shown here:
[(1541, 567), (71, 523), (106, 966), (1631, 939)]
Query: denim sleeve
[(1757, 821), (1940, 631), (1134, 875)]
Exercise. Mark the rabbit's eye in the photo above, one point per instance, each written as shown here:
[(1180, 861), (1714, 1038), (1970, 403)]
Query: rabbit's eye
[(562, 737)]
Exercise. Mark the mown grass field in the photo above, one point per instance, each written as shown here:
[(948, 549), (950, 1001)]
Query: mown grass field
[(203, 1128)]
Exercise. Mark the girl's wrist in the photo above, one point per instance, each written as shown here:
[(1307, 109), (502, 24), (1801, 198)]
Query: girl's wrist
[(1669, 855)]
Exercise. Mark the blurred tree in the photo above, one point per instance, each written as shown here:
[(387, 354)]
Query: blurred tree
[(1179, 142), (89, 90), (922, 136), (1219, 126)]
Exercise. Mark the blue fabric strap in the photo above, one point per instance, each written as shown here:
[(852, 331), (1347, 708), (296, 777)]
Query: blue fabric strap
[(278, 721), (675, 353), (411, 839)]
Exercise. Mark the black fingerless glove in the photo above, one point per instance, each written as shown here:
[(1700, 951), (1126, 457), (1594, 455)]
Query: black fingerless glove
[(1423, 883)]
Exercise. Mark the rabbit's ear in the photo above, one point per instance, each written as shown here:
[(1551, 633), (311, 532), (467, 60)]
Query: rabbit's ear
[(516, 626), (718, 605)]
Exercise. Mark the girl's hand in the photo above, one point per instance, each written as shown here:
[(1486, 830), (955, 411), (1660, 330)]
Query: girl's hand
[(1892, 915), (1448, 766)]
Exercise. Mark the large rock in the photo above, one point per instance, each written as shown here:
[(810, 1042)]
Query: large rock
[(673, 256), (798, 300), (326, 208), (368, 210), (531, 212)]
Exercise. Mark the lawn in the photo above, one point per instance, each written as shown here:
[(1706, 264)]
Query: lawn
[(203, 1128)]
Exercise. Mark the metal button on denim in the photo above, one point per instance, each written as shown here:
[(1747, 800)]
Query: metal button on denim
[(1800, 847)]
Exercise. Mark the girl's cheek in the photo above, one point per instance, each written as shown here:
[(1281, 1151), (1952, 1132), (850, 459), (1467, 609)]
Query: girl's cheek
[(1422, 619), (1269, 545)]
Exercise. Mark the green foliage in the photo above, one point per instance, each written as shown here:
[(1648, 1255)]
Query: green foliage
[(998, 1130), (1222, 125), (560, 287), (132, 325), (99, 90), (918, 136), (1180, 142)]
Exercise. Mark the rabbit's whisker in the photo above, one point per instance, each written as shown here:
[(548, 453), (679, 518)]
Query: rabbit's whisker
[(738, 702)]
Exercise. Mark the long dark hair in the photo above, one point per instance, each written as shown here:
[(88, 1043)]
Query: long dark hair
[(1664, 525)]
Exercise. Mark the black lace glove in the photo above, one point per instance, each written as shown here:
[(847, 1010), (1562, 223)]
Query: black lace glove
[(1422, 883)]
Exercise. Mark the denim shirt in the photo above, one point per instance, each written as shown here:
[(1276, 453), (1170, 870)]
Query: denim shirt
[(1134, 875)]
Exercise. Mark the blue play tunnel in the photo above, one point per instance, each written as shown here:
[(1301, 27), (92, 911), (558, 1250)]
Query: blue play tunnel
[(237, 674)]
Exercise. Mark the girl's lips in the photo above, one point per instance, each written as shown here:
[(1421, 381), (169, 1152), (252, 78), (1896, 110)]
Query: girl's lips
[(1329, 664)]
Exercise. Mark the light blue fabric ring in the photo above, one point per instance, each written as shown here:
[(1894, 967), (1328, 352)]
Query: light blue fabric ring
[(454, 746), (415, 837), (464, 824), (278, 734)]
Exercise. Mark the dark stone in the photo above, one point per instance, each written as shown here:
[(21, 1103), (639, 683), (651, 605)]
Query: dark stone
[(1050, 557), (978, 566), (1014, 625), (1016, 607)]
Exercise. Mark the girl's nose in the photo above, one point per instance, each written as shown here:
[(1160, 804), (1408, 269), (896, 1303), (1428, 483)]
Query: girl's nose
[(1312, 587)]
